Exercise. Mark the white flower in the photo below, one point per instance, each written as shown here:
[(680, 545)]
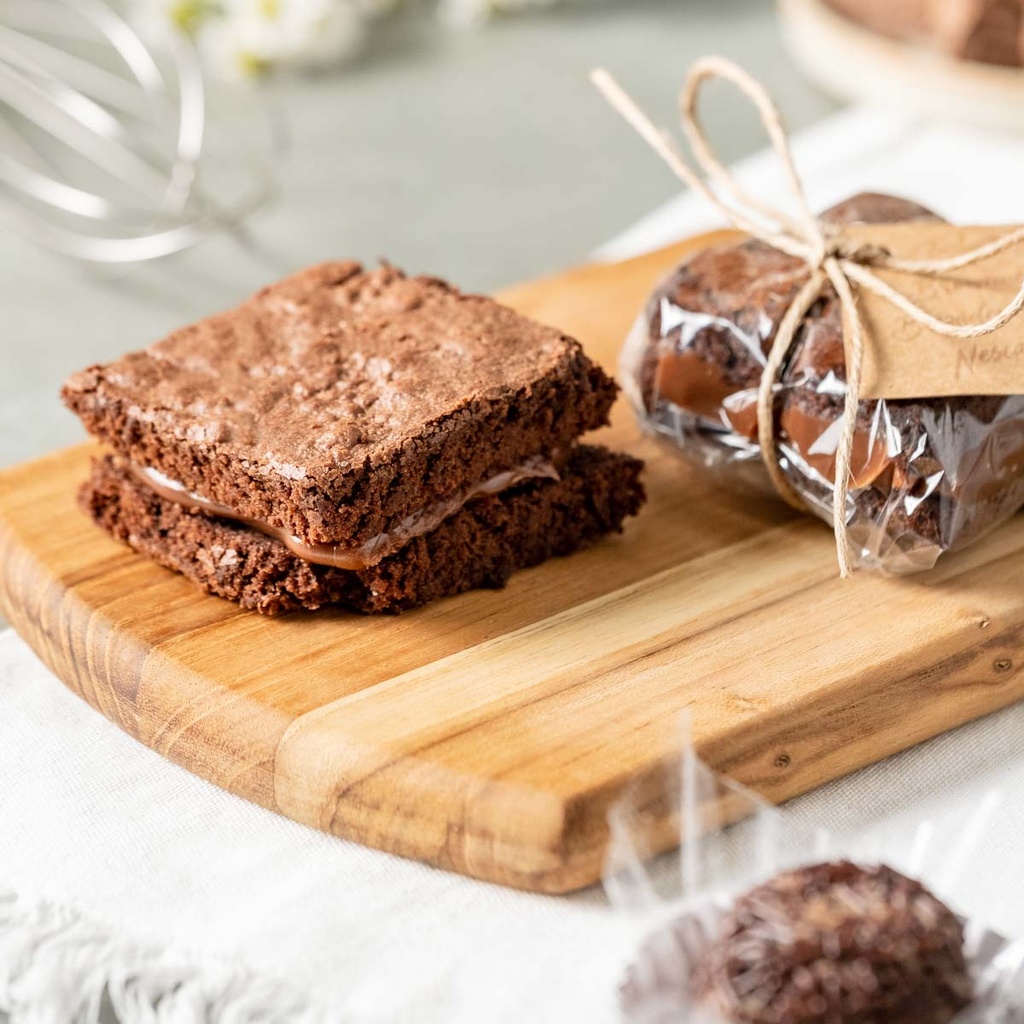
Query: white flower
[(241, 38), (471, 13), (250, 36), (153, 16), (372, 8)]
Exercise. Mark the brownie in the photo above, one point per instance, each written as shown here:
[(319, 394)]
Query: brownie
[(741, 292), (988, 31), (928, 475), (340, 400), (479, 546), (837, 943), (909, 20)]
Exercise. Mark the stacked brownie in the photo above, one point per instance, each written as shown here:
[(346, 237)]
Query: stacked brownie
[(354, 437), (927, 475)]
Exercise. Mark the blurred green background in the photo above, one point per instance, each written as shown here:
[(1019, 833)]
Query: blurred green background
[(483, 156)]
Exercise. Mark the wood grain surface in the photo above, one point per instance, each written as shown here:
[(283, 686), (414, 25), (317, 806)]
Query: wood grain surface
[(489, 733)]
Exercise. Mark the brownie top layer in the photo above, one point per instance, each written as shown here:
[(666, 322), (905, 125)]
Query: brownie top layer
[(312, 385), (328, 367)]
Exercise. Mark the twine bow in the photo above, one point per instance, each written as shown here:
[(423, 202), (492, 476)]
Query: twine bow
[(828, 258)]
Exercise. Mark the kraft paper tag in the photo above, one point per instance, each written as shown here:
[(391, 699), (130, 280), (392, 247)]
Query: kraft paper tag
[(905, 359)]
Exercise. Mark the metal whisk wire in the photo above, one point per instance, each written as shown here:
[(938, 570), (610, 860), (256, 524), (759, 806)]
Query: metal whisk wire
[(102, 135)]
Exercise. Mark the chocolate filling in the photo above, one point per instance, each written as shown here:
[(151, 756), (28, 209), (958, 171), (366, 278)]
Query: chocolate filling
[(376, 548)]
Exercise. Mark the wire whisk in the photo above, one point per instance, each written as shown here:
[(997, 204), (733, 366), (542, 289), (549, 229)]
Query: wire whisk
[(106, 148)]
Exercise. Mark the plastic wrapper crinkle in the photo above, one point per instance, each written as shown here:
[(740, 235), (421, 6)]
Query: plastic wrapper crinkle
[(927, 475), (732, 841)]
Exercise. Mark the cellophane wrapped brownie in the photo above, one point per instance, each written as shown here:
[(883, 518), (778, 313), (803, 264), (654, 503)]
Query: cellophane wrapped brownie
[(762, 921), (927, 475)]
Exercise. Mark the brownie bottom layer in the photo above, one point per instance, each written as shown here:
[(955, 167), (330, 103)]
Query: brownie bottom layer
[(480, 546)]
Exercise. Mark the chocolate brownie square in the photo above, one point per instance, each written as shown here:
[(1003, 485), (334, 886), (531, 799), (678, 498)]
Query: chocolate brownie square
[(341, 401), (356, 438)]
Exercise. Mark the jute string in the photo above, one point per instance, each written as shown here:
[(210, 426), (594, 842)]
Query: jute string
[(829, 260)]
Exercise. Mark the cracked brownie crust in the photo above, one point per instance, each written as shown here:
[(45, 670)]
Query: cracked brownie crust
[(341, 400)]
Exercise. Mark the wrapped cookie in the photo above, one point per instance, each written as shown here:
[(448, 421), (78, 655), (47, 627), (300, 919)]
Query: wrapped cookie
[(864, 362), (833, 942), (836, 941), (926, 475), (760, 922)]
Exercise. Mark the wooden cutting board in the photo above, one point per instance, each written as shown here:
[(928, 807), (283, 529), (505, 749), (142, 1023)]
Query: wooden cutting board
[(489, 733)]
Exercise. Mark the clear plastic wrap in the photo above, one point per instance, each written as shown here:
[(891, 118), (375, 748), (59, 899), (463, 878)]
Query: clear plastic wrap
[(927, 476), (687, 900)]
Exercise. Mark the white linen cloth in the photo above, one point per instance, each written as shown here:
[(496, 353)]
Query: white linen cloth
[(164, 884)]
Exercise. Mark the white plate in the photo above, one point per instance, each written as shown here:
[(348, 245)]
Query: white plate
[(856, 63)]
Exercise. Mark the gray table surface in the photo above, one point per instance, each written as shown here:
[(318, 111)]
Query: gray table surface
[(483, 156)]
